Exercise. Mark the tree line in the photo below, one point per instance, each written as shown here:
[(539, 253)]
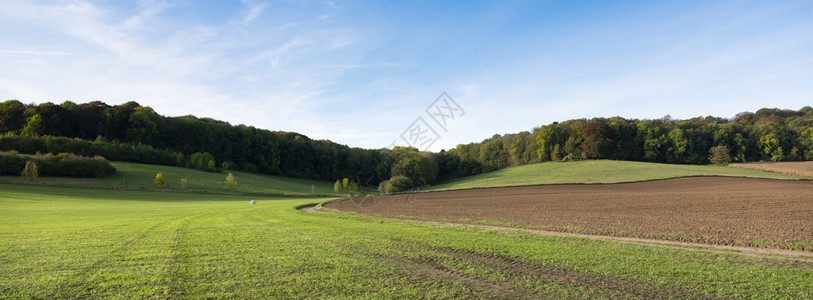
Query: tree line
[(769, 134), (131, 132)]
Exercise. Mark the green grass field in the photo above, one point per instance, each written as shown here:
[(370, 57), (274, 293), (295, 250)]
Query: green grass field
[(140, 177), (78, 243), (595, 171)]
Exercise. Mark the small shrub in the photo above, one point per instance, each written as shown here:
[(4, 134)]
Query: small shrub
[(30, 172), (184, 183), (345, 186), (159, 179), (354, 187), (231, 183), (398, 184)]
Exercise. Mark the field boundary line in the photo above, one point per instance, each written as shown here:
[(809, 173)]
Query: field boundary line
[(722, 249)]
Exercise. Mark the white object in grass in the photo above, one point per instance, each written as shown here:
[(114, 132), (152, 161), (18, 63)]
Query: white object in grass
[(253, 202)]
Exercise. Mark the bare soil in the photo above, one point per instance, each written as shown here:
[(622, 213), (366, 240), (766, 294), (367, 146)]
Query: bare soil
[(716, 210)]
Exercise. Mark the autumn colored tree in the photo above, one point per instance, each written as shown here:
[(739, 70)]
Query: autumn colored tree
[(599, 140), (719, 155)]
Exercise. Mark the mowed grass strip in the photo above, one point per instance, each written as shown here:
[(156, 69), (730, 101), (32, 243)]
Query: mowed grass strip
[(595, 171), (798, 168), (141, 176), (75, 243)]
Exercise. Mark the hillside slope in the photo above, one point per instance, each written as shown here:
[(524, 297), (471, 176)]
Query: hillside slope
[(595, 171), (140, 177)]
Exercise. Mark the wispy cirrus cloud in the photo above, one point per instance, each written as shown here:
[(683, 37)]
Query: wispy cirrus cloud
[(254, 10), (31, 52), (146, 10), (284, 53)]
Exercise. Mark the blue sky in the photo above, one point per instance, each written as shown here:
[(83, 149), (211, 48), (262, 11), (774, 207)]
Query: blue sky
[(361, 72)]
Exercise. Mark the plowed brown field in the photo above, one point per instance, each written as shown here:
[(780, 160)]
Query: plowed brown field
[(719, 210)]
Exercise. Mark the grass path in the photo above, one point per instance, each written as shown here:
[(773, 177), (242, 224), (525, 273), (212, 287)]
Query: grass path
[(595, 171), (74, 243)]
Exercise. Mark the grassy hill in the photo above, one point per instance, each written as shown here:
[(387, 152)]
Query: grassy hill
[(595, 171), (140, 177)]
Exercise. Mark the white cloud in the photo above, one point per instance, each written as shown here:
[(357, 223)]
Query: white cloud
[(342, 41), (284, 53), (469, 90), (254, 11), (31, 52), (147, 9)]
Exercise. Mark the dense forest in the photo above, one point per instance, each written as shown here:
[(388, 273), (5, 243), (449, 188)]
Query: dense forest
[(131, 132)]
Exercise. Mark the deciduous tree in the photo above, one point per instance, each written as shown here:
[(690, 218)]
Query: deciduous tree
[(34, 126), (771, 149), (719, 155), (599, 140)]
